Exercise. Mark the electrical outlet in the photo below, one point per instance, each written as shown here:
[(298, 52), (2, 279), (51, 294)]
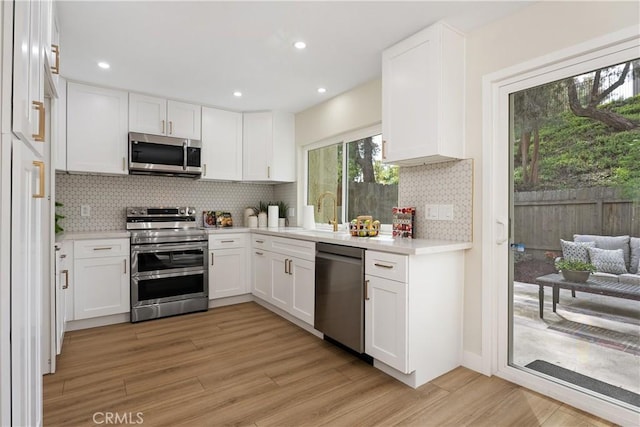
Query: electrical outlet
[(445, 212), (85, 210), (431, 211)]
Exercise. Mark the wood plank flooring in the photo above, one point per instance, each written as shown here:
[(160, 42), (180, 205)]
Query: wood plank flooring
[(243, 365)]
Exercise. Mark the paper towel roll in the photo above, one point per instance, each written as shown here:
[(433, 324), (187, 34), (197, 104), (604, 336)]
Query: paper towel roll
[(272, 221), (308, 217)]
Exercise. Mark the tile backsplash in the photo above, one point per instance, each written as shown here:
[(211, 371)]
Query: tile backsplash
[(448, 183), (108, 196)]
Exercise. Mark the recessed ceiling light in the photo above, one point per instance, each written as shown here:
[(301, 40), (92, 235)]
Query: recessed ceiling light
[(300, 45), (104, 65), (321, 90), (237, 94)]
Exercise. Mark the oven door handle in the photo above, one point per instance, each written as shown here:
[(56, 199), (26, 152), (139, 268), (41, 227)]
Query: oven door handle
[(164, 247), (184, 155)]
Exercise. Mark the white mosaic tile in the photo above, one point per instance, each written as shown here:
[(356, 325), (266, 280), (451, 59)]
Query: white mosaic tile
[(108, 196), (448, 183), (287, 193)]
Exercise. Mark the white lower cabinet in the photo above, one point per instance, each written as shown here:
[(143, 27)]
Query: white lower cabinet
[(101, 278), (284, 280), (386, 322), (227, 265)]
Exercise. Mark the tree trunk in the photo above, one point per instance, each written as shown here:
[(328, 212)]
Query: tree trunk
[(524, 153), (366, 161), (534, 156)]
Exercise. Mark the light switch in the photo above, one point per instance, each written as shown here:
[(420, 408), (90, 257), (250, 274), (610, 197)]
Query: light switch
[(445, 212), (85, 210), (431, 211)]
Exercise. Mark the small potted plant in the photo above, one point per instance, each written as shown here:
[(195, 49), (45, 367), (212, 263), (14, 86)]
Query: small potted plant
[(282, 214), (575, 271)]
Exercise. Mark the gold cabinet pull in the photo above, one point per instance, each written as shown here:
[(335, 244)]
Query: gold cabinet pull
[(125, 266), (259, 253), (227, 241), (290, 267), (66, 279), (366, 290), (286, 265), (124, 164), (383, 265), (204, 172), (268, 171), (40, 165), (106, 248), (55, 49), (212, 258), (162, 126), (170, 127), (384, 149), (259, 241), (40, 107)]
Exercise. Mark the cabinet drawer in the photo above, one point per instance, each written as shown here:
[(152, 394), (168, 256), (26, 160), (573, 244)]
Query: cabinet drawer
[(227, 241), (386, 266), (100, 248), (294, 247), (259, 241)]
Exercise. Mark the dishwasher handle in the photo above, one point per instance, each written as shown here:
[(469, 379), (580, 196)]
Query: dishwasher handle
[(338, 258)]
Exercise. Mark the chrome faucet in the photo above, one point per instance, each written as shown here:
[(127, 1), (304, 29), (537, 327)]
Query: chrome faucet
[(333, 222)]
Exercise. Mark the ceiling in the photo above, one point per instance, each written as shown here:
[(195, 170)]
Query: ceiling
[(204, 51)]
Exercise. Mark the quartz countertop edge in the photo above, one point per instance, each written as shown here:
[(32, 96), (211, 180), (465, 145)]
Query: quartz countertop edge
[(383, 243)]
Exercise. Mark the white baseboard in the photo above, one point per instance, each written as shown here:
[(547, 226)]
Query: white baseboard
[(289, 317), (474, 362), (75, 325), (222, 302)]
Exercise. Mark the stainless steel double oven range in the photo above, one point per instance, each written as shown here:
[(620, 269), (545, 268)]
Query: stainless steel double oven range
[(169, 272)]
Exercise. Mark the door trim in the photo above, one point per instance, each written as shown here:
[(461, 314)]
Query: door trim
[(600, 52)]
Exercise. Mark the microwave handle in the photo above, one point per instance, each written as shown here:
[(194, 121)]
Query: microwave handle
[(184, 155)]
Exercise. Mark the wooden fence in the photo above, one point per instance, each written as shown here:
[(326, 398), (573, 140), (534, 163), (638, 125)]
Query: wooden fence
[(542, 218)]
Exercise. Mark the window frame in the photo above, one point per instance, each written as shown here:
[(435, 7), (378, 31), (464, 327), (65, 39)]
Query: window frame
[(344, 139)]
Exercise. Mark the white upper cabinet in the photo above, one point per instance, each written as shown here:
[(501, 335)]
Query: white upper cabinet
[(423, 80), (221, 144), (96, 130), (159, 116), (268, 147), (28, 121)]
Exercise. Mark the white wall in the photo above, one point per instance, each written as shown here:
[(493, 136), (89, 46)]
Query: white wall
[(534, 31)]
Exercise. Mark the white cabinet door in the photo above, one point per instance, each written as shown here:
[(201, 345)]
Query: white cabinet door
[(386, 322), (26, 287), (268, 147), (147, 114), (303, 288), (59, 128), (64, 265), (257, 140), (227, 273), (28, 116), (184, 120), (423, 97), (261, 274), (221, 144), (101, 286), (281, 282), (96, 130)]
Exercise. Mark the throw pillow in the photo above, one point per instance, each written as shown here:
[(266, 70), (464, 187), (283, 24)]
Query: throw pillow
[(608, 261), (635, 255), (607, 242), (576, 251)]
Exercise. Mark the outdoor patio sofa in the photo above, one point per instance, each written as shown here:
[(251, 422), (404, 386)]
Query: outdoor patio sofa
[(616, 258)]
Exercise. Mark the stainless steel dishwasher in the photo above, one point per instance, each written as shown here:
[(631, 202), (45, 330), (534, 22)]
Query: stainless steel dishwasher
[(339, 304)]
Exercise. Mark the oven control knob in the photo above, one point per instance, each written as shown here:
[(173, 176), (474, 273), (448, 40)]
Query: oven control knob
[(181, 211), (133, 212), (191, 211)]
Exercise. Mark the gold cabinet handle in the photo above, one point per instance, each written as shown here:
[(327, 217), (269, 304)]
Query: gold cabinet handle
[(40, 107), (204, 172), (286, 264), (259, 253), (162, 126), (125, 266), (66, 279), (384, 149), (383, 265), (227, 241), (124, 164), (40, 165), (212, 258), (290, 267), (55, 49), (268, 171), (170, 127), (106, 248), (366, 290), (259, 241)]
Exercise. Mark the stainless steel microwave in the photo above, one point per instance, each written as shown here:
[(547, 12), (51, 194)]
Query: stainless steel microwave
[(164, 155)]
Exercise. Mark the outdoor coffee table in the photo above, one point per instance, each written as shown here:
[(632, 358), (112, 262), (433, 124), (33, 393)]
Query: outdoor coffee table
[(592, 286)]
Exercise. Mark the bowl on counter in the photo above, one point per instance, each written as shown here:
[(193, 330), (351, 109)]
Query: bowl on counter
[(364, 226)]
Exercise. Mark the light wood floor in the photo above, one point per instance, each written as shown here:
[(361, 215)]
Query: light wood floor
[(244, 365)]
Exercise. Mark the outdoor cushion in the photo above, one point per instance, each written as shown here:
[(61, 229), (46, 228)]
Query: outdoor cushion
[(606, 276), (576, 251), (634, 243), (607, 242), (629, 279), (608, 261)]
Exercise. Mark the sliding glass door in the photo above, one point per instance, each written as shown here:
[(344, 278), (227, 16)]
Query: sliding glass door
[(574, 184)]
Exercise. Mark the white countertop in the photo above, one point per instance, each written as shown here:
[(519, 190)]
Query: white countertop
[(383, 243)]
